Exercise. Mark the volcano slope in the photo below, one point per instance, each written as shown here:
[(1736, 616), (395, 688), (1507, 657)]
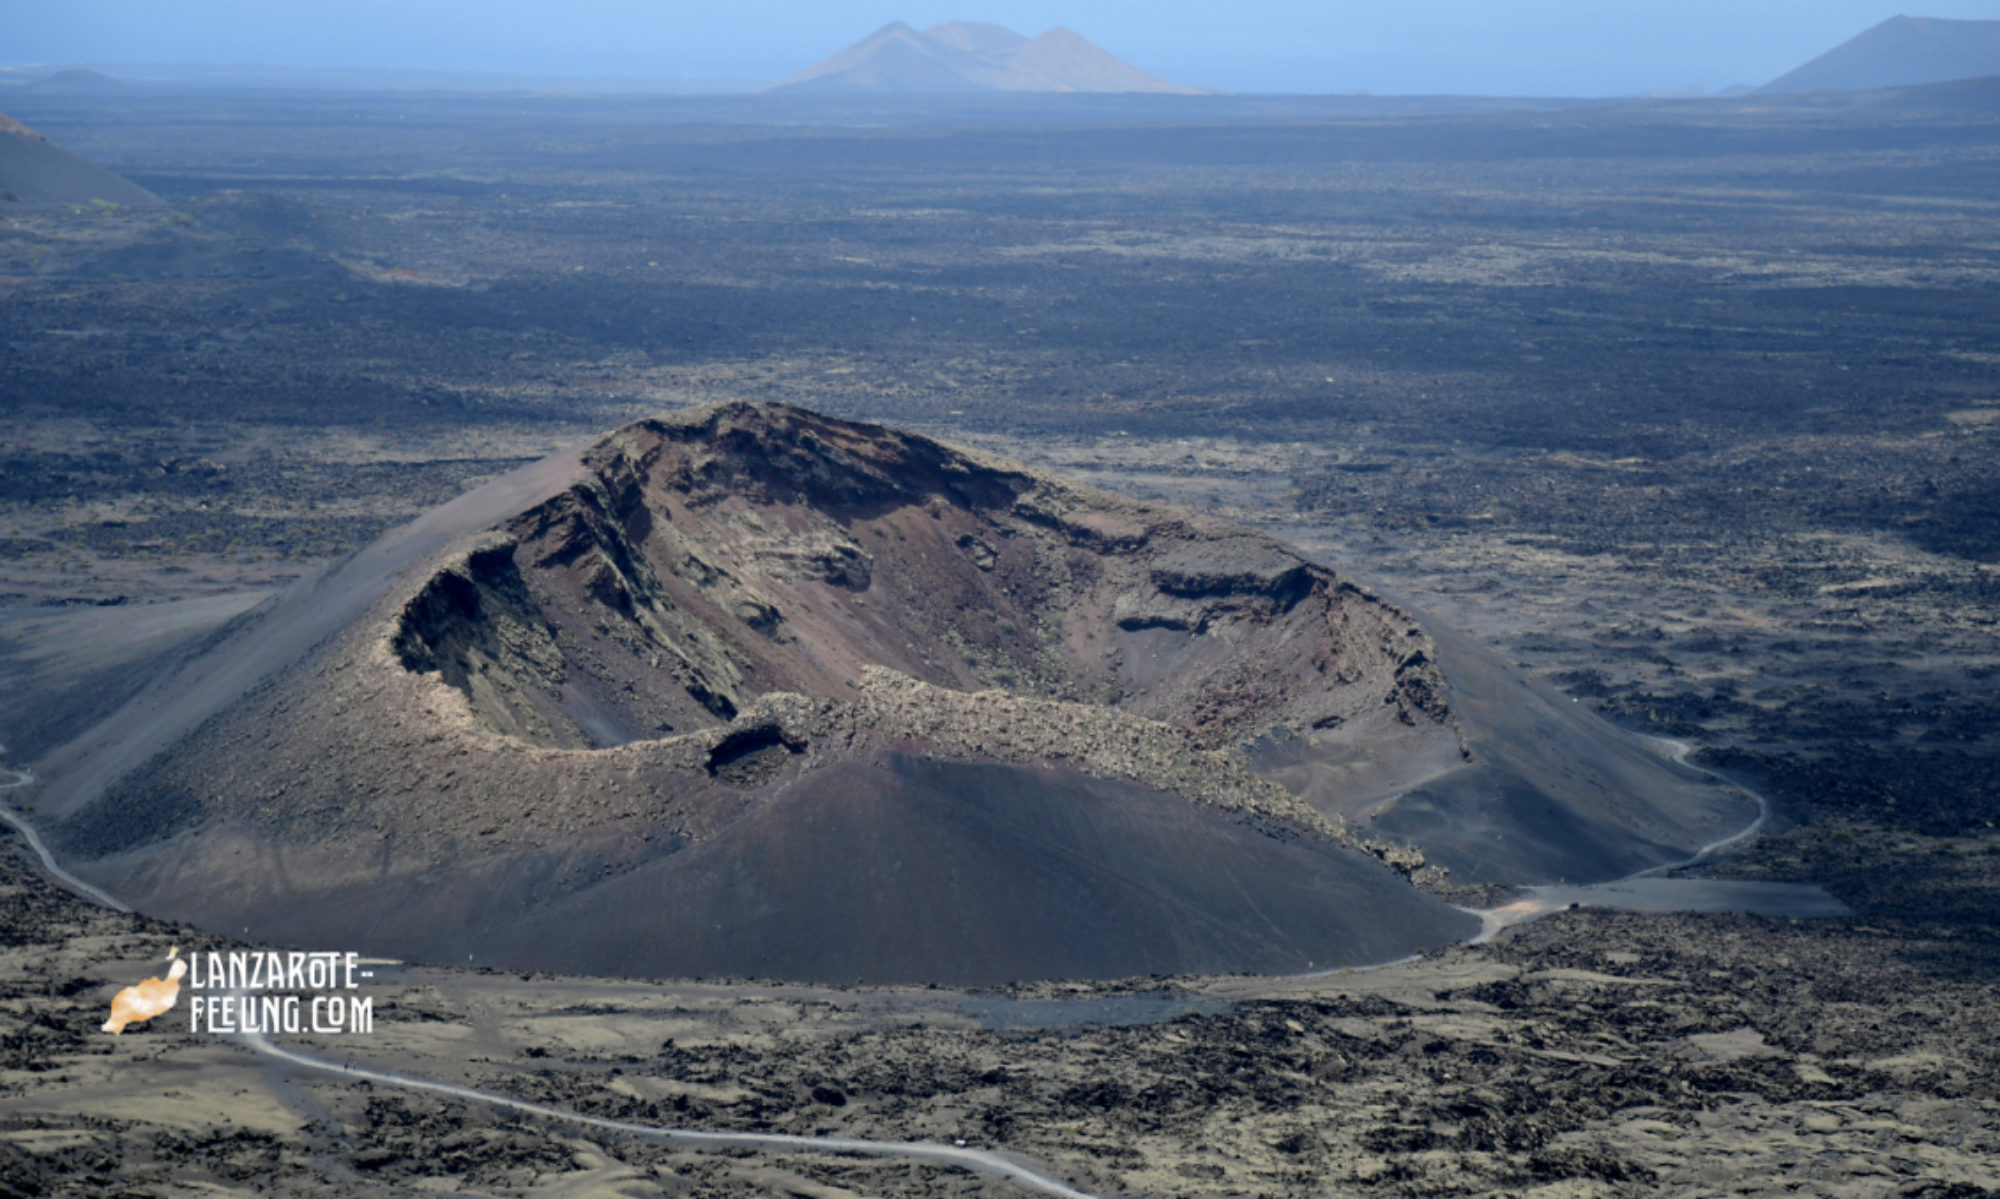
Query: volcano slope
[(35, 171), (750, 691)]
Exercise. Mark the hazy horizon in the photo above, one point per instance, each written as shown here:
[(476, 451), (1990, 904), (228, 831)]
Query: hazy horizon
[(1536, 47)]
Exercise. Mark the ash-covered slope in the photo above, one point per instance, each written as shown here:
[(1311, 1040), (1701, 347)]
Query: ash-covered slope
[(35, 171), (760, 692), (1900, 52), (752, 691)]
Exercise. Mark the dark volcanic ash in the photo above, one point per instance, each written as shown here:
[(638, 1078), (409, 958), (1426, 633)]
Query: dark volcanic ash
[(758, 692)]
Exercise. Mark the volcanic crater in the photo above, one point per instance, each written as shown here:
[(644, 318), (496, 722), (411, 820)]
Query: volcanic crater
[(751, 691), (696, 568)]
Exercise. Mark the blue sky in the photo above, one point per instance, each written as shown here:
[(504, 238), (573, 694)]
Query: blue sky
[(1533, 47)]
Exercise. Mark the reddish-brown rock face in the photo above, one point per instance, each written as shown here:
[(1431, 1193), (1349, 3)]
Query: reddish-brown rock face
[(697, 565)]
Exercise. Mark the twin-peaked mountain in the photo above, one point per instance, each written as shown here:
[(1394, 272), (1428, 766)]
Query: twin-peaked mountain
[(972, 56)]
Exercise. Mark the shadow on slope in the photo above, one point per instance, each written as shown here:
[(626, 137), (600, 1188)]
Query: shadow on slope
[(917, 870), (749, 690), (1539, 789)]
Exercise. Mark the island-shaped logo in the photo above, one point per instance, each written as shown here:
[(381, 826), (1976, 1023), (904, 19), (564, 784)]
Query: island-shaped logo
[(143, 1001)]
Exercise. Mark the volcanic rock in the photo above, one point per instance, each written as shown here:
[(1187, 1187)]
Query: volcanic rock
[(751, 691)]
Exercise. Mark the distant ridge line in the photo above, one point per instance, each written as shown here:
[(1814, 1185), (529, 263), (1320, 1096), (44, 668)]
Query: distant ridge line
[(974, 56)]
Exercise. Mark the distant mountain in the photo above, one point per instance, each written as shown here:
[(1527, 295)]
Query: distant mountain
[(974, 37), (78, 80), (1900, 52), (971, 56), (1959, 95), (34, 170), (1978, 95)]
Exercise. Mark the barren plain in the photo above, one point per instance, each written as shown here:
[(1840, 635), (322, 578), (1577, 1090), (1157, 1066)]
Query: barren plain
[(1688, 408)]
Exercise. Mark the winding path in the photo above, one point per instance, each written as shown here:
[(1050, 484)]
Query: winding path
[(1679, 751), (21, 779), (1492, 920), (977, 1160)]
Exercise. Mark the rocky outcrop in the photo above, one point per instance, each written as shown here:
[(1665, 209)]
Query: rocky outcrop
[(707, 560), (475, 626)]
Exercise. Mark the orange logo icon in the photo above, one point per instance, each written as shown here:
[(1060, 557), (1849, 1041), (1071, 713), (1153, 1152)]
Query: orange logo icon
[(140, 1003)]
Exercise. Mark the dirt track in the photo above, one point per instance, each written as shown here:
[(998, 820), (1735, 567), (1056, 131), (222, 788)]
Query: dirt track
[(1600, 1052)]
